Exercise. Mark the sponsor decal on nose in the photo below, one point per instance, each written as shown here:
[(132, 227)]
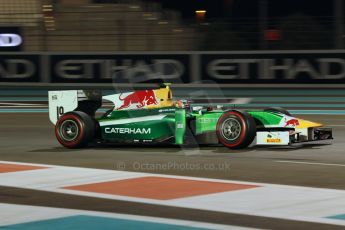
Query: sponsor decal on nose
[(292, 122)]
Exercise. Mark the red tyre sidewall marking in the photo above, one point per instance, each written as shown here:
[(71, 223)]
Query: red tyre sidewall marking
[(244, 129), (80, 126)]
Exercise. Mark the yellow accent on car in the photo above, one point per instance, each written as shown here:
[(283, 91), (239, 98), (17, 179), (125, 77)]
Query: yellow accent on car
[(307, 124), (273, 140), (165, 97)]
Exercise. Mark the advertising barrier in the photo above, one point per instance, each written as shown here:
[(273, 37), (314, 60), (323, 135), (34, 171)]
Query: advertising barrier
[(20, 68), (270, 67), (148, 68), (274, 68)]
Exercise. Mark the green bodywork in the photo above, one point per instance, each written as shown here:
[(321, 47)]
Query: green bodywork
[(157, 125)]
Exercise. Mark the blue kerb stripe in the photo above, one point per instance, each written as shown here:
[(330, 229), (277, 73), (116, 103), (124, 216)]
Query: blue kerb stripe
[(337, 217), (84, 222)]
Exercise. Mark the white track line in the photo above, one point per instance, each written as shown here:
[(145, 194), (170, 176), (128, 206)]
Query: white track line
[(21, 106), (241, 100), (15, 104), (311, 163), (267, 200)]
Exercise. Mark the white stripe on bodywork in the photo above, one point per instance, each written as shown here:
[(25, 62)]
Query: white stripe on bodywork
[(132, 120)]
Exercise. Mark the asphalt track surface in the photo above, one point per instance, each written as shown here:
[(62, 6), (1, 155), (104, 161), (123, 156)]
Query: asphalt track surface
[(29, 137)]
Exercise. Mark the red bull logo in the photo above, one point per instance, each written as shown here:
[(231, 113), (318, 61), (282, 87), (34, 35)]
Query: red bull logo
[(292, 122), (141, 98)]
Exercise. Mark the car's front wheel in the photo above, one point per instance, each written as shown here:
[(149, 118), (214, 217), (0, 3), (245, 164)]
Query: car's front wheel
[(75, 129), (236, 129)]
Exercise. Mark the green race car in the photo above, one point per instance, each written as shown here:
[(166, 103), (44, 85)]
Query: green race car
[(152, 116)]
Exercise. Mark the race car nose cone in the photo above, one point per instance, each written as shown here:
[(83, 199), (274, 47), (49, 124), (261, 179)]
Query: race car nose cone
[(307, 124)]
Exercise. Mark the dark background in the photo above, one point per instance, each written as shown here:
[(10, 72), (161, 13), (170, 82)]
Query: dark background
[(10, 30), (245, 8)]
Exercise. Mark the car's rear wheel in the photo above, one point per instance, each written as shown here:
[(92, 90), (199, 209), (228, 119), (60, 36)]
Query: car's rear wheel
[(236, 129), (75, 129)]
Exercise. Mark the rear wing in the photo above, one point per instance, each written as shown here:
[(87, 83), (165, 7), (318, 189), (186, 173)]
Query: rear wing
[(64, 101)]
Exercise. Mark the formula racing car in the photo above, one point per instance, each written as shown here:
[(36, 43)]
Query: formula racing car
[(152, 116)]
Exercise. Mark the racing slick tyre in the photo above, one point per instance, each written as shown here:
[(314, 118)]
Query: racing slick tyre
[(75, 129), (278, 109), (236, 129)]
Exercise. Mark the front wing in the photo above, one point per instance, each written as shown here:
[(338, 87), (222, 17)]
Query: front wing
[(289, 137)]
